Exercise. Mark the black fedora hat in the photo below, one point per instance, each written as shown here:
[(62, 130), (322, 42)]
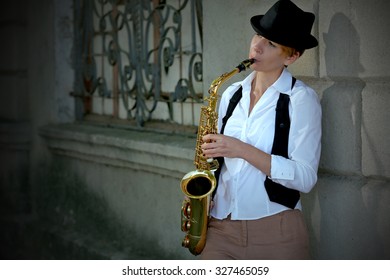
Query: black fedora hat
[(286, 24)]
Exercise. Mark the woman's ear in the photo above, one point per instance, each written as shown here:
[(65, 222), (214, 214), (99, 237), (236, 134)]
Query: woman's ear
[(292, 58)]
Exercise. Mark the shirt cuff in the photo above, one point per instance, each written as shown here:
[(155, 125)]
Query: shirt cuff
[(281, 168)]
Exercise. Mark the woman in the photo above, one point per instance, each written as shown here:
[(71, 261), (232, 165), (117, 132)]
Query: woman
[(246, 221)]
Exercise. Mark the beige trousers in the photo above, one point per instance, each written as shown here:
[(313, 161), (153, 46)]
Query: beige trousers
[(280, 236)]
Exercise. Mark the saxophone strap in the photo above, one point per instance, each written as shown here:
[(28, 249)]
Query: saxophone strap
[(276, 192)]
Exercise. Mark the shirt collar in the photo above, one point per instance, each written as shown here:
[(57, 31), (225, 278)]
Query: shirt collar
[(247, 82), (282, 84)]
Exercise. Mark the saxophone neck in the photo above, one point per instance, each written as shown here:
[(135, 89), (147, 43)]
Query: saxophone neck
[(244, 65), (218, 81)]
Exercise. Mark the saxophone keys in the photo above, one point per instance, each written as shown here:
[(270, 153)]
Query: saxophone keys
[(213, 164), (186, 226), (186, 216), (186, 242), (187, 209)]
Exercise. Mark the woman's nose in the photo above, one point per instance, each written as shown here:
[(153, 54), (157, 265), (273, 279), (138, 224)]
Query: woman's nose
[(258, 47)]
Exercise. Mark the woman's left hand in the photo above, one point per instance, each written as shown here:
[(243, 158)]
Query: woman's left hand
[(219, 145)]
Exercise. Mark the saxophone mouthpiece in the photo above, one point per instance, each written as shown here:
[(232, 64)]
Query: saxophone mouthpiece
[(245, 64)]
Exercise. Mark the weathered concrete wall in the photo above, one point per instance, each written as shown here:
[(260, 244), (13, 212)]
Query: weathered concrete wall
[(15, 129), (136, 173), (137, 177)]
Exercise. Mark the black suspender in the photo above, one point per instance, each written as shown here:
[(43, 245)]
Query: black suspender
[(276, 192), (232, 104)]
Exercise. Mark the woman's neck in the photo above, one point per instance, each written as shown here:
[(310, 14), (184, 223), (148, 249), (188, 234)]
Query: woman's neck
[(264, 80), (260, 84)]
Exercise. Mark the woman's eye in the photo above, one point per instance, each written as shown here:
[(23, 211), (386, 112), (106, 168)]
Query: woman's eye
[(271, 44)]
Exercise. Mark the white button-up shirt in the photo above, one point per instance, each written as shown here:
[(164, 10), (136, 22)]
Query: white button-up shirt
[(241, 191)]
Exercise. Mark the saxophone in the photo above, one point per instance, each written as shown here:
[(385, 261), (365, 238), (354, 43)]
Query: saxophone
[(198, 185)]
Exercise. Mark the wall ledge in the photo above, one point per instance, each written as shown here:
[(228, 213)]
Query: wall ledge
[(159, 153)]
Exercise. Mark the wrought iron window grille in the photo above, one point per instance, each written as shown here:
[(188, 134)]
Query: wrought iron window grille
[(138, 60)]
